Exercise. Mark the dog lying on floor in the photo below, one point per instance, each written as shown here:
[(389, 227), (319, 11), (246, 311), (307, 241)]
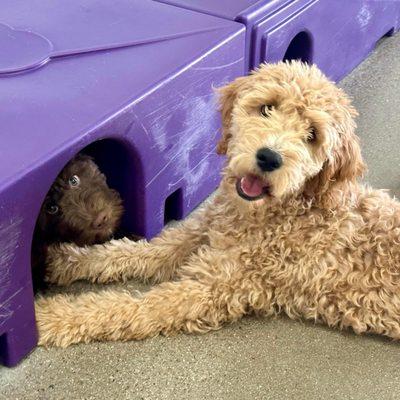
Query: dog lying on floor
[(290, 230)]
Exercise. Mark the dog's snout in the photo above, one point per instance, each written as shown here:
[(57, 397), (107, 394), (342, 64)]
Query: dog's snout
[(100, 221), (268, 160)]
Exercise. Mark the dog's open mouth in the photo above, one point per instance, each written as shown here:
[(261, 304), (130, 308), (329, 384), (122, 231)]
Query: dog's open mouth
[(251, 187)]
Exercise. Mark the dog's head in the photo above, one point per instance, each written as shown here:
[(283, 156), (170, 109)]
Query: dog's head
[(288, 130), (80, 207)]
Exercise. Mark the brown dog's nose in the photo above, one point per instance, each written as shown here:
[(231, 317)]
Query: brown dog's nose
[(268, 160), (100, 220)]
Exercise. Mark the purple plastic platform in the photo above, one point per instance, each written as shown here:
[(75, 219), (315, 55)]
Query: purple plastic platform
[(334, 34), (130, 82), (130, 79)]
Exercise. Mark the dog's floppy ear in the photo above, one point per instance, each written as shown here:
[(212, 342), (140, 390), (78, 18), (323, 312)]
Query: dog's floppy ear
[(227, 97), (344, 165), (348, 159)]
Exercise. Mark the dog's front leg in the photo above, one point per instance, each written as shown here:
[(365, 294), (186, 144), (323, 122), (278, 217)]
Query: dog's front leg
[(187, 306), (124, 259), (213, 288)]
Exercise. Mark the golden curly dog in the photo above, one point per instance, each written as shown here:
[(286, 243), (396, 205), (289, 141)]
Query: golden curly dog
[(290, 230)]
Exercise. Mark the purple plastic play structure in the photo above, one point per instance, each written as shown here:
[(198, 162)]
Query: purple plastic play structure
[(334, 34), (131, 82)]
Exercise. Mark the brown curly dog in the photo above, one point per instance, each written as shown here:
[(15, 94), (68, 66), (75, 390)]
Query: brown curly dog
[(79, 208), (289, 230)]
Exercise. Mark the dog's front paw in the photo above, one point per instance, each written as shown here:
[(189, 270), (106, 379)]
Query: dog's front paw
[(55, 322), (63, 264)]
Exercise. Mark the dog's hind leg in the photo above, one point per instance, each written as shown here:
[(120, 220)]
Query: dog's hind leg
[(123, 259), (187, 306)]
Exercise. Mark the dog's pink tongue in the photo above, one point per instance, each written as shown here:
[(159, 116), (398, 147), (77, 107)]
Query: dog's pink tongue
[(252, 186)]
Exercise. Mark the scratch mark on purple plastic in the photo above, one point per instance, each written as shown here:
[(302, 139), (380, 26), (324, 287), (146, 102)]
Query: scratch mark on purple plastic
[(141, 124), (219, 66), (198, 115), (10, 232), (364, 16), (162, 170), (5, 308)]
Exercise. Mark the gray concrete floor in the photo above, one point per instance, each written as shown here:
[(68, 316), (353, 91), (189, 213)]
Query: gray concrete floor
[(253, 359)]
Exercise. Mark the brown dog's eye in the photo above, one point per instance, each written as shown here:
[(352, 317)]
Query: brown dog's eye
[(52, 209), (74, 181), (266, 109), (312, 135)]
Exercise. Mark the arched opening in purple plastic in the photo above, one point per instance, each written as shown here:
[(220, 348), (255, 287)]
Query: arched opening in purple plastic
[(389, 33), (120, 163), (173, 206), (300, 48)]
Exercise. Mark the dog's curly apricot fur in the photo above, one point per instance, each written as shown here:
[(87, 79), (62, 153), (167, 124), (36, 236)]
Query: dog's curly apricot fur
[(297, 234)]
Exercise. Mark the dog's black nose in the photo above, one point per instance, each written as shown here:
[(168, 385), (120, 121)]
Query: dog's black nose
[(268, 160)]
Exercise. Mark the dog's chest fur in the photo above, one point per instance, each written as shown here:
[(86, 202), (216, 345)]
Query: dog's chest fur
[(301, 246), (294, 230)]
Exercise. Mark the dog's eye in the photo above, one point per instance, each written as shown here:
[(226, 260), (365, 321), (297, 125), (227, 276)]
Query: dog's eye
[(52, 209), (74, 181), (312, 135), (266, 109)]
